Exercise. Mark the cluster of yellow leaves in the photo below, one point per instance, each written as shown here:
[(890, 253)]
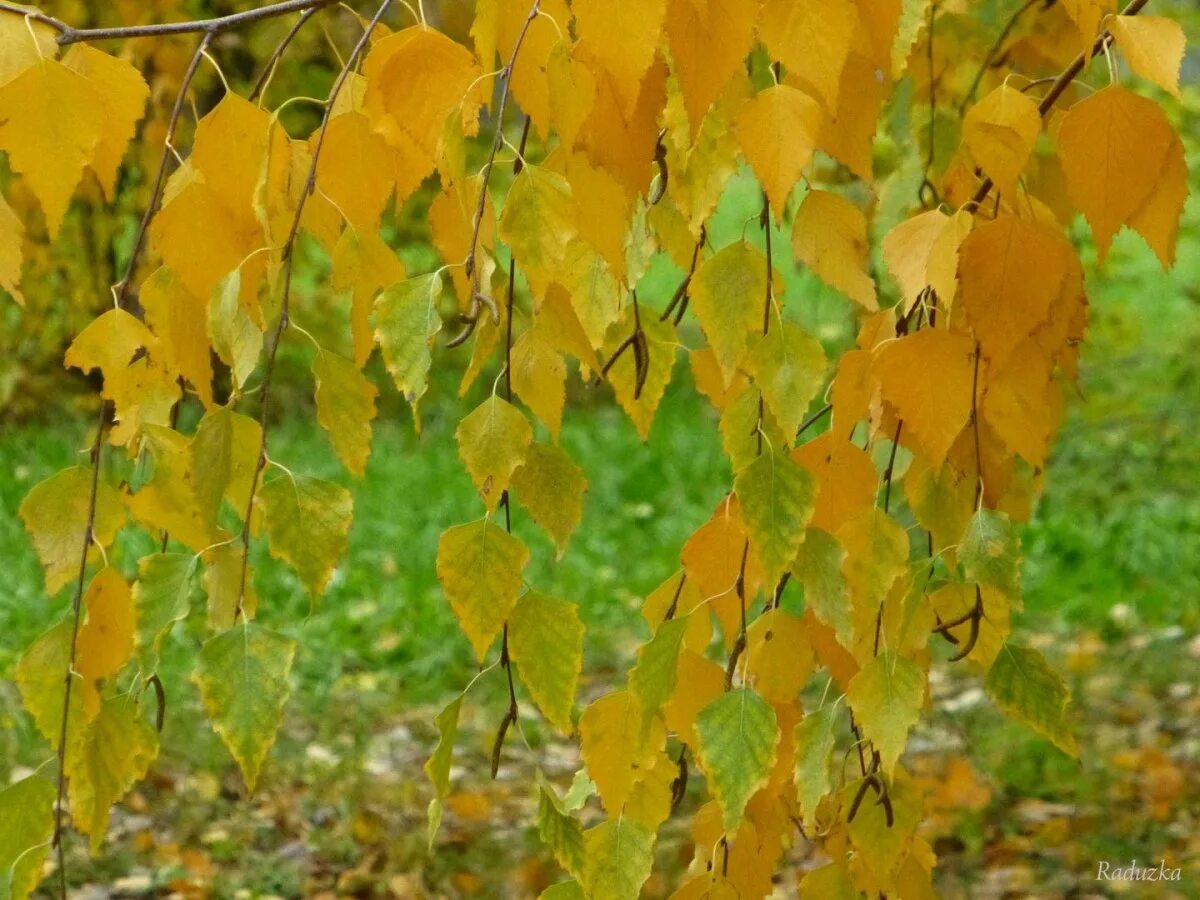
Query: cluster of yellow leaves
[(896, 524)]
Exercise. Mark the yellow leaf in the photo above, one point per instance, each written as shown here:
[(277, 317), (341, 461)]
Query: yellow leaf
[(846, 478), (55, 513), (551, 487), (235, 337), (12, 235), (698, 683), (50, 151), (538, 223), (622, 141), (492, 441), (849, 132), (106, 638), (417, 78), (778, 131), (1000, 131), (594, 292), (1158, 219), (363, 264), (23, 42), (923, 252), (812, 41), (927, 378), (539, 377), (1153, 46), (109, 343), (1113, 146), (1011, 272), (167, 502), (180, 322), (876, 556), (223, 587), (572, 91), (779, 659), (661, 346), (355, 170), (230, 151), (622, 38), (830, 237), (345, 408), (480, 568), (1087, 15), (224, 456), (123, 94), (709, 40), (615, 749)]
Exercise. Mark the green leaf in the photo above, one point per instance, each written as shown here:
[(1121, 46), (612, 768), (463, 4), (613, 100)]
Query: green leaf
[(740, 425), (437, 767), (545, 639), (830, 882), (39, 676), (620, 855), (480, 567), (788, 366), (235, 337), (345, 408), (991, 553), (738, 733), (886, 697), (777, 496), (551, 487), (492, 441), (406, 322), (564, 890), (1025, 686), (559, 830), (243, 679), (25, 832), (55, 513), (115, 753), (161, 596), (652, 680), (307, 521), (818, 567), (224, 455), (728, 292), (814, 746)]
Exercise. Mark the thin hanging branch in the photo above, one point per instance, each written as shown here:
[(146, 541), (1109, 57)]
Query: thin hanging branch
[(470, 317), (287, 258), (1061, 83), (268, 69), (69, 34)]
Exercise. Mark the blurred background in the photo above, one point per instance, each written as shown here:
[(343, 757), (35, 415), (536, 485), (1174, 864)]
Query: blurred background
[(1111, 576)]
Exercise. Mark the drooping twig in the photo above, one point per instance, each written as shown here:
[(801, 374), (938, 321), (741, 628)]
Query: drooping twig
[(1061, 83), (69, 34), (287, 256), (268, 69), (471, 316), (76, 609)]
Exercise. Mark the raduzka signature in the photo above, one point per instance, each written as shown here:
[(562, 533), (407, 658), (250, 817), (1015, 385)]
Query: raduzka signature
[(1106, 871)]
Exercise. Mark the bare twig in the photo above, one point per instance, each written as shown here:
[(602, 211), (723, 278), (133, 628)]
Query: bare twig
[(269, 67), (288, 254), (69, 34)]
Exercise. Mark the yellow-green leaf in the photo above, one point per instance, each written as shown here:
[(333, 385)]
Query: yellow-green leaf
[(480, 567), (738, 735), (225, 453), (619, 857), (55, 513), (1024, 685), (162, 597), (235, 337), (307, 521), (25, 832), (551, 488), (545, 639), (814, 749), (406, 322), (728, 292), (437, 767), (242, 674), (886, 697), (991, 552), (492, 441), (788, 365), (115, 753), (652, 679), (559, 830), (777, 497), (345, 408)]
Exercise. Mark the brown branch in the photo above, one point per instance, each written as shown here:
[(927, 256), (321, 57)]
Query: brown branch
[(287, 255), (69, 34), (1061, 83), (680, 297)]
